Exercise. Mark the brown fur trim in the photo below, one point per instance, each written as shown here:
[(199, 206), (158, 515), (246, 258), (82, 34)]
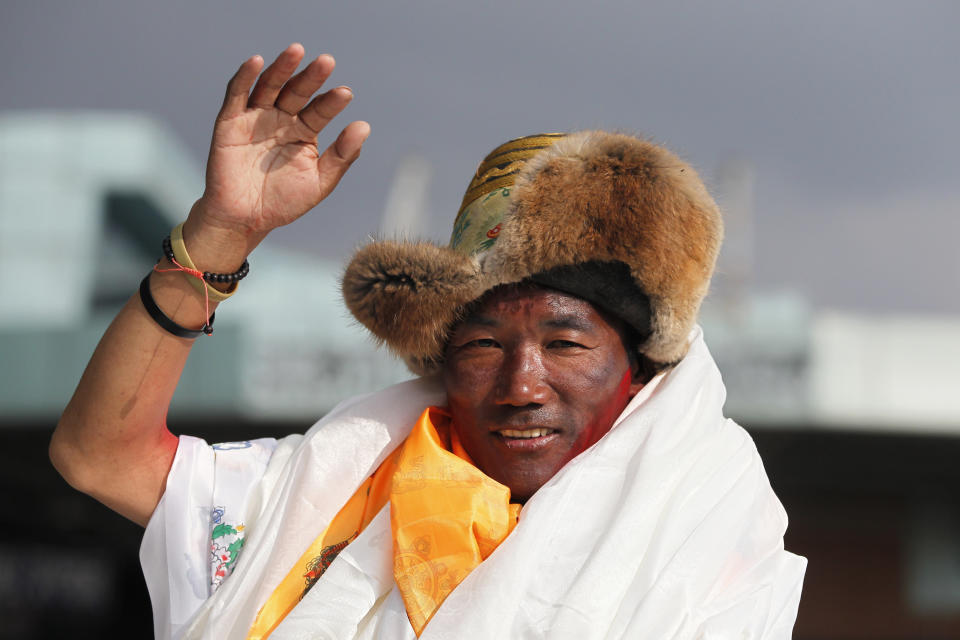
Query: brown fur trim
[(592, 196), (409, 294), (612, 197)]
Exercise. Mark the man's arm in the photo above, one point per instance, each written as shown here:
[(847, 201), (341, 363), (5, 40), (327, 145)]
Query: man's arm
[(264, 171)]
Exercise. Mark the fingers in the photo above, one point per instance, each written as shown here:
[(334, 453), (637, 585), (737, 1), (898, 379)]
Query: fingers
[(275, 76), (235, 100), (299, 89), (278, 87), (338, 157), (347, 146), (324, 108)]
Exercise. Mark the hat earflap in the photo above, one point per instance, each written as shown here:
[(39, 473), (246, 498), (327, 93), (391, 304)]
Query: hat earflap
[(409, 295)]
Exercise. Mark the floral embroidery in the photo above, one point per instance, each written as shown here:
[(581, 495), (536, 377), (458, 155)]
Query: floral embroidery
[(226, 541), (319, 565), (459, 226), (486, 244)]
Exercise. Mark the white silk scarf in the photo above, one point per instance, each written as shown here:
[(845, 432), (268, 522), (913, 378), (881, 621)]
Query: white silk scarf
[(665, 528)]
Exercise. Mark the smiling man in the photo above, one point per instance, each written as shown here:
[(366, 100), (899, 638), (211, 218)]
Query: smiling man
[(559, 468), (534, 377)]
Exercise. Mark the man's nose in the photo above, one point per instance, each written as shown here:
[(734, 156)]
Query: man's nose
[(522, 379)]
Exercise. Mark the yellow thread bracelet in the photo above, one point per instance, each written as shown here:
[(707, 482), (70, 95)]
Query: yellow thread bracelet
[(181, 255)]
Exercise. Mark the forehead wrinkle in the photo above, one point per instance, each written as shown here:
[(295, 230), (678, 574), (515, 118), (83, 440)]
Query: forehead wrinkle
[(479, 320), (566, 311), (574, 321)]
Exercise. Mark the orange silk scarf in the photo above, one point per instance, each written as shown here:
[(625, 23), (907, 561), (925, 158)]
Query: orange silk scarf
[(446, 516)]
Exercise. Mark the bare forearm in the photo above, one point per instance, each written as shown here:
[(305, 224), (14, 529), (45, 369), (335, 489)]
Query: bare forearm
[(112, 440)]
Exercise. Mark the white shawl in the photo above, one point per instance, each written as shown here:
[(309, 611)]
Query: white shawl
[(666, 528)]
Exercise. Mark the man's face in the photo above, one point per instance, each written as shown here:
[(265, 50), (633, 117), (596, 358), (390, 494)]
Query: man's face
[(534, 377)]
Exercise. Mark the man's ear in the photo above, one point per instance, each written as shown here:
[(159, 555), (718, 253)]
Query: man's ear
[(641, 371), (636, 384)]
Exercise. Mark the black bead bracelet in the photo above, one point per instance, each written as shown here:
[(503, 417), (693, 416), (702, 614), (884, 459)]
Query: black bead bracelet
[(208, 276), (146, 297)]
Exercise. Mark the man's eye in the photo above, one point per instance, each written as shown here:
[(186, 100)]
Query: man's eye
[(564, 344), (482, 342)]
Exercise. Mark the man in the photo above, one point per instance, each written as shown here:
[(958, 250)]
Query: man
[(561, 467)]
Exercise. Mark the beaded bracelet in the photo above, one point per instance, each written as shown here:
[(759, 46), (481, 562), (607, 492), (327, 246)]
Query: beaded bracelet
[(146, 297), (185, 264), (208, 276)]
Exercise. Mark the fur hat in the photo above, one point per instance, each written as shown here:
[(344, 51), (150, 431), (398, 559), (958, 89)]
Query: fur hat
[(608, 217)]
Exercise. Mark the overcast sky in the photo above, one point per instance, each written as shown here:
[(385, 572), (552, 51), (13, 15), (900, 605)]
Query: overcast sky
[(847, 111)]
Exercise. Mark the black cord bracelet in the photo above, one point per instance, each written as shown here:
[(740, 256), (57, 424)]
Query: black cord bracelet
[(209, 276), (146, 297)]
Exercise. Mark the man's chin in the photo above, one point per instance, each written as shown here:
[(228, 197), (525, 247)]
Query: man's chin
[(522, 485)]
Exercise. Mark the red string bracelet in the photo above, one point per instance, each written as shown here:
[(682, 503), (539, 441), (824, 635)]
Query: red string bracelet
[(236, 276), (207, 327)]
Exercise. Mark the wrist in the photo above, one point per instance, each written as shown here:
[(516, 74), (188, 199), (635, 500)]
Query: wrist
[(214, 246), (175, 251)]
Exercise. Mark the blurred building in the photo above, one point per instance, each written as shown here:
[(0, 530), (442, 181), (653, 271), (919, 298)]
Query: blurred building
[(84, 201), (857, 417)]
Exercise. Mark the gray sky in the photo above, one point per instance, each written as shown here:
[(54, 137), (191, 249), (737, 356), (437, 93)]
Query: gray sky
[(847, 110)]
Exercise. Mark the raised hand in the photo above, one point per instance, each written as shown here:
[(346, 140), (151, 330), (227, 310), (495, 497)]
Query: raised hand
[(265, 169)]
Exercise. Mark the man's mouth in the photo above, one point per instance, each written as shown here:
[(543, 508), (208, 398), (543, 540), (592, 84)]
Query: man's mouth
[(525, 433), (527, 440)]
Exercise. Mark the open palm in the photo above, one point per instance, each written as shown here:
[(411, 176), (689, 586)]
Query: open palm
[(265, 169)]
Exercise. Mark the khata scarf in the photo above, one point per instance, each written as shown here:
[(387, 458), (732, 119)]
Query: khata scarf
[(665, 528), (433, 551)]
